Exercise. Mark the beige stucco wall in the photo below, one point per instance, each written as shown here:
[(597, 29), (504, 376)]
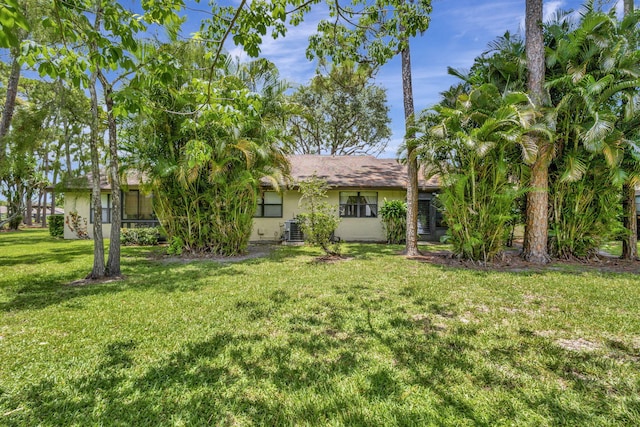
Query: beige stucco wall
[(350, 229), (80, 202), (266, 229)]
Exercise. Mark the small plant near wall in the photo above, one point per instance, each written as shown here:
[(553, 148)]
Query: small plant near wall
[(146, 236), (77, 224), (56, 225), (394, 220), (320, 221)]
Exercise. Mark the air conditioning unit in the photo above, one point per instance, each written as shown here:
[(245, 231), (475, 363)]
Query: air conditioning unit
[(292, 231)]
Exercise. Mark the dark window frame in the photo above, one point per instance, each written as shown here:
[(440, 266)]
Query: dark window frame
[(106, 209), (260, 208), (138, 207), (358, 205)]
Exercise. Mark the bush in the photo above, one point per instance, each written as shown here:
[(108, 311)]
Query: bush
[(56, 225), (394, 221), (140, 236), (320, 222)]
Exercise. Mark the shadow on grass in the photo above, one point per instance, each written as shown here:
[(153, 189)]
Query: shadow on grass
[(34, 236), (324, 368), (40, 291)]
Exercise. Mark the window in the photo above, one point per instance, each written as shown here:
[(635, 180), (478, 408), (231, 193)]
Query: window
[(358, 204), (105, 200), (269, 205), (137, 206)]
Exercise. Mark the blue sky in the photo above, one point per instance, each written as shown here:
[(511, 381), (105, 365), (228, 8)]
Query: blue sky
[(459, 31)]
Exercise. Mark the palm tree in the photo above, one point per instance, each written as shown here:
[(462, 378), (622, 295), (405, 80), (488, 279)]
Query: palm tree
[(206, 157), (594, 74), (475, 146)]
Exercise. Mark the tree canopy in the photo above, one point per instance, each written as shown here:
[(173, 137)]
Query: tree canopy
[(341, 113)]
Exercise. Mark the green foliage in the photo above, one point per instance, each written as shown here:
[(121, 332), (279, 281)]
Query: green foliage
[(320, 220), (175, 247), (477, 230), (205, 171), (394, 220), (12, 19), (56, 225), (590, 119), (371, 33), (474, 146), (340, 114), (147, 236), (583, 213)]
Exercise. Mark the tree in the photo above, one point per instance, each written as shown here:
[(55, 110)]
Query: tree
[(475, 147), (205, 169), (15, 28), (106, 43), (373, 34), (537, 219), (591, 77), (342, 114), (630, 221), (319, 222)]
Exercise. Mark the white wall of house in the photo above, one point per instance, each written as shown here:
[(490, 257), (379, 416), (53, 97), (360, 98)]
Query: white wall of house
[(80, 202), (264, 229), (350, 229)]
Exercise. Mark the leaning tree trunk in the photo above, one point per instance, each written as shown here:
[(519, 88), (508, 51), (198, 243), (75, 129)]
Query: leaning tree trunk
[(412, 161), (630, 222), (113, 260), (537, 213)]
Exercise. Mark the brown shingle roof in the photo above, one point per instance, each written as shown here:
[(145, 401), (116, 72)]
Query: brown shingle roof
[(338, 171), (354, 171), (132, 178)]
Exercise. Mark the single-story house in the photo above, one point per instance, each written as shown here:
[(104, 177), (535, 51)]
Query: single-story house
[(359, 186)]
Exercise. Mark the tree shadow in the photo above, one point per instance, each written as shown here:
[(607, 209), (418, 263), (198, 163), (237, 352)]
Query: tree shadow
[(323, 367)]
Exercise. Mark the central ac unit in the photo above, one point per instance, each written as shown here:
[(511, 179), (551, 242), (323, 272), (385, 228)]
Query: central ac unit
[(292, 231)]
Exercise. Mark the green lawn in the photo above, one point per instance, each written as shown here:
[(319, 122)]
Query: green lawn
[(377, 340)]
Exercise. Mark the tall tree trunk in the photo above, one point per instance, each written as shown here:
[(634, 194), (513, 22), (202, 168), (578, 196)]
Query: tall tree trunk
[(630, 222), (537, 213), (98, 270), (29, 209), (9, 103), (412, 161), (113, 260), (630, 241)]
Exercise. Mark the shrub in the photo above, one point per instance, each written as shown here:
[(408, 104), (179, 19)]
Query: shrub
[(320, 222), (56, 225), (394, 220), (140, 236)]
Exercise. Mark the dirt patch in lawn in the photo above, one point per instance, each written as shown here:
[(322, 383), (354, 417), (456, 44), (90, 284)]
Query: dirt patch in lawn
[(88, 281), (511, 261), (578, 345), (253, 251)]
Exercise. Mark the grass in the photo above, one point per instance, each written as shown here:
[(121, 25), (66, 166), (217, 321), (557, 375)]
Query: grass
[(377, 340)]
